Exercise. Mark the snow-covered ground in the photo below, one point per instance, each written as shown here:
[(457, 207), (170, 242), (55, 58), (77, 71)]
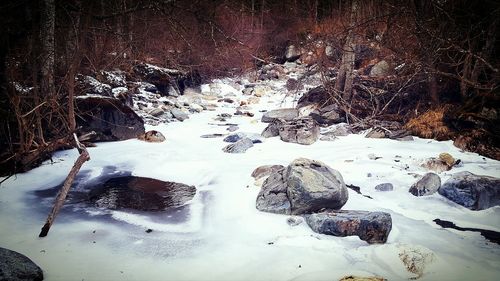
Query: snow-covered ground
[(221, 236)]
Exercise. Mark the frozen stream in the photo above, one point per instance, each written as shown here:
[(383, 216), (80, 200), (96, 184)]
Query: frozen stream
[(221, 236)]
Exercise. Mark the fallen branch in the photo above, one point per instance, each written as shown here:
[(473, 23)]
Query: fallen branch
[(61, 197)]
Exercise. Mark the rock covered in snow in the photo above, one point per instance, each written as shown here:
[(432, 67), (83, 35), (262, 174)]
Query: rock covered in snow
[(115, 78), (372, 227), (17, 267), (427, 185), (91, 86), (241, 146), (303, 187), (472, 191)]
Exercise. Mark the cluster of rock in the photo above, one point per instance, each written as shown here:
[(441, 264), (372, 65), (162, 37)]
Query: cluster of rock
[(464, 188), (287, 124), (316, 191), (115, 105)]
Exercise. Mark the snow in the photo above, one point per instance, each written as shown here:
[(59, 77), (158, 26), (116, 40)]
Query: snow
[(223, 236)]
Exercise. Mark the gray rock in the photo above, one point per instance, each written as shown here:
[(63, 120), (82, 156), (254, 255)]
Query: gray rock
[(234, 137), (328, 115), (427, 185), (211, 136), (232, 128), (372, 227), (472, 191), (266, 170), (286, 114), (273, 197), (156, 112), (340, 130), (17, 267), (380, 69), (179, 114), (272, 130), (312, 185), (384, 187), (376, 133), (139, 193), (303, 130), (240, 146)]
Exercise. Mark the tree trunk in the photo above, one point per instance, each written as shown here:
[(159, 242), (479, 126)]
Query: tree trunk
[(345, 77), (48, 47)]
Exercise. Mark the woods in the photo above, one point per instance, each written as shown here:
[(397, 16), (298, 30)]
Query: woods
[(431, 53)]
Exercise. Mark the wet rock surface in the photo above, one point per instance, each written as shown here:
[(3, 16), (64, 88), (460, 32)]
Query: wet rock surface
[(139, 193), (17, 267), (372, 227), (472, 191)]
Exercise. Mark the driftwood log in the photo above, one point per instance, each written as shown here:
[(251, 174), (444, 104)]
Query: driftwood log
[(61, 196)]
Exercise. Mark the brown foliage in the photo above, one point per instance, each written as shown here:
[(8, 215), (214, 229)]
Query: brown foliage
[(430, 125)]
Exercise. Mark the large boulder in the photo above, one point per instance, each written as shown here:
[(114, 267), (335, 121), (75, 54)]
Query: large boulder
[(304, 186), (472, 191), (303, 130), (139, 193), (427, 185), (17, 267), (312, 185), (109, 118), (286, 114), (372, 227)]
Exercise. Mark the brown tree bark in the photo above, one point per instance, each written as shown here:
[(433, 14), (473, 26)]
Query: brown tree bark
[(344, 81)]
